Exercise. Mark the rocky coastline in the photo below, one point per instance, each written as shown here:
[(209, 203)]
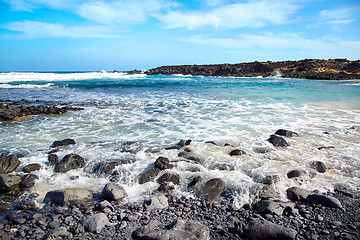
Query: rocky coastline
[(332, 69), (78, 213)]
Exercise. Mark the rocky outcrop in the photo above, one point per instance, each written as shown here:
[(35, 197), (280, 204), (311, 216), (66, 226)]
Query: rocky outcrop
[(278, 141), (332, 69), (68, 196), (69, 162), (9, 163), (65, 142), (212, 189)]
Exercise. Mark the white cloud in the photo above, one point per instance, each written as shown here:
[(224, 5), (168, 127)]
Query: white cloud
[(33, 29), (250, 14), (29, 5), (127, 11), (336, 17)]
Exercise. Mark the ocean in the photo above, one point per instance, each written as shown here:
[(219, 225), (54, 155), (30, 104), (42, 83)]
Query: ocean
[(133, 118)]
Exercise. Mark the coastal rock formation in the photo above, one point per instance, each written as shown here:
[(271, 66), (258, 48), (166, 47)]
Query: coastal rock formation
[(9, 163), (68, 196), (212, 189), (69, 162), (8, 182), (65, 142), (262, 229), (113, 192), (278, 141), (332, 69)]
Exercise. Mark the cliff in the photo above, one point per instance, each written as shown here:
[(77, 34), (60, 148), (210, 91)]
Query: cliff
[(332, 69)]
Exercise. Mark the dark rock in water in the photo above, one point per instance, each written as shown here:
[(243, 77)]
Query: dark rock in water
[(212, 142), (222, 167), (28, 180), (9, 163), (4, 207), (96, 222), (192, 157), (31, 167), (193, 169), (148, 175), (58, 233), (113, 192), (68, 196), (263, 230), (297, 194), (278, 141), (8, 182), (177, 230), (325, 147), (286, 133), (65, 142), (156, 202), (169, 177), (166, 187), (179, 145), (212, 189), (69, 162), (237, 152), (53, 159), (262, 149), (194, 181), (296, 173), (163, 163), (271, 179), (326, 201), (318, 166)]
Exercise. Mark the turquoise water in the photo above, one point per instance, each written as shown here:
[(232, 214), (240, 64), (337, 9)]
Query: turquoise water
[(157, 111)]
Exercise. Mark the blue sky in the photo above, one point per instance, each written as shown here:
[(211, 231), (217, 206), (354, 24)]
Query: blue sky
[(55, 35)]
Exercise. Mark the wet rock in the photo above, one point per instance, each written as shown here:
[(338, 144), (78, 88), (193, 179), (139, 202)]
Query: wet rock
[(296, 173), (278, 141), (169, 177), (28, 180), (69, 162), (286, 133), (222, 167), (297, 194), (163, 163), (177, 230), (261, 229), (58, 233), (65, 142), (31, 167), (96, 222), (53, 159), (68, 196), (194, 181), (262, 150), (267, 192), (26, 205), (271, 179), (325, 147), (237, 152), (192, 157), (148, 175), (4, 207), (272, 207), (193, 169), (212, 142), (326, 201), (113, 192), (8, 164), (8, 182), (156, 202), (318, 166), (179, 145), (212, 189)]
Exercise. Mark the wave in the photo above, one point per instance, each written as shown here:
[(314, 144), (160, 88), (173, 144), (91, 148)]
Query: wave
[(35, 76), (28, 86)]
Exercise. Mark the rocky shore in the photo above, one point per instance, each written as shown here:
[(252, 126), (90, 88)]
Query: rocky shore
[(78, 213), (17, 110), (332, 69)]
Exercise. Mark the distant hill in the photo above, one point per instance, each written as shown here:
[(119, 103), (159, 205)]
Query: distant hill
[(332, 69)]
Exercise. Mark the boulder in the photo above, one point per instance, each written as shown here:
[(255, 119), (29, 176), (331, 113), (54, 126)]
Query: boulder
[(179, 145), (8, 164), (163, 163), (296, 173), (177, 230), (286, 133), (69, 162), (58, 233), (237, 152), (267, 192), (260, 229), (212, 189), (169, 177), (8, 182), (65, 142), (273, 207), (278, 141), (156, 202), (148, 175), (192, 157), (113, 192), (68, 196), (318, 166), (53, 159), (31, 167), (96, 222), (28, 180), (270, 179), (297, 194), (323, 200)]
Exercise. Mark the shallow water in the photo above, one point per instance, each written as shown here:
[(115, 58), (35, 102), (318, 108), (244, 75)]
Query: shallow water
[(154, 112)]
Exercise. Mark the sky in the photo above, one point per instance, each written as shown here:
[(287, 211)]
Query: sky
[(92, 35)]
